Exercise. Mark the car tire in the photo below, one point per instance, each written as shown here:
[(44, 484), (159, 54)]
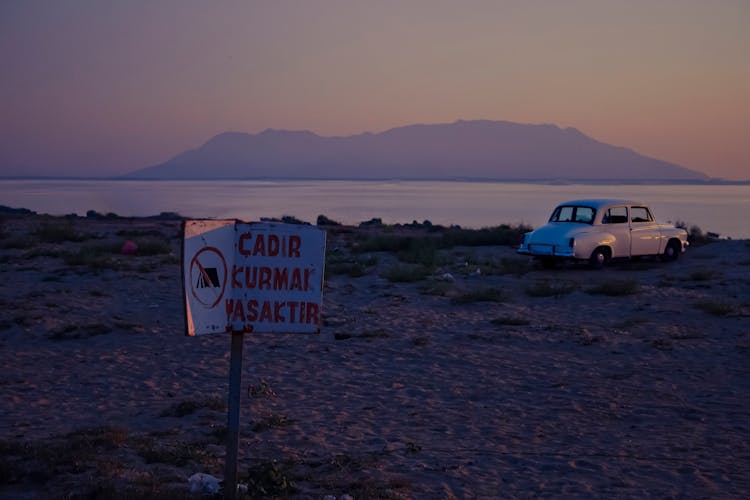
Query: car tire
[(671, 252), (599, 258)]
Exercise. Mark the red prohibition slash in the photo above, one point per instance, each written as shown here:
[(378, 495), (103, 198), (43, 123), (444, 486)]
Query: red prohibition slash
[(206, 278)]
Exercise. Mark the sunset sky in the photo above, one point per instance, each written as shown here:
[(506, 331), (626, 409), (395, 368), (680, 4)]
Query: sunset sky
[(102, 88)]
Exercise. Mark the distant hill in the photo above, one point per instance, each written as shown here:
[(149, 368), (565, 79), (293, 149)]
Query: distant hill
[(479, 149)]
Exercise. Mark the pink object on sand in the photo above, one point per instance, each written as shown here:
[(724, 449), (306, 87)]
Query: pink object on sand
[(129, 248)]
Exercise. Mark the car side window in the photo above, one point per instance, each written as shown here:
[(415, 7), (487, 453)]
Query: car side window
[(640, 214), (584, 214), (615, 215)]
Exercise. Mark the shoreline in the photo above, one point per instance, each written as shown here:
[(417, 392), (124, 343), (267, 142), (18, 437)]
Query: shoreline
[(542, 181)]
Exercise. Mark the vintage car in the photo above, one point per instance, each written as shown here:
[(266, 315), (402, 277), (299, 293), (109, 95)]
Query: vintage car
[(600, 230)]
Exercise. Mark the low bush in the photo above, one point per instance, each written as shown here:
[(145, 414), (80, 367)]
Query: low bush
[(704, 275), (178, 454), (439, 288), (382, 243), (269, 479), (550, 288), (58, 232), (76, 331), (481, 295), (405, 273), (717, 308), (510, 321), (423, 251), (272, 422), (499, 235), (190, 406), (615, 288), (696, 236), (98, 256), (440, 238), (346, 265), (153, 246), (22, 242), (322, 220)]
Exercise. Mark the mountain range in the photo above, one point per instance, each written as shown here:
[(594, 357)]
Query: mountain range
[(477, 150)]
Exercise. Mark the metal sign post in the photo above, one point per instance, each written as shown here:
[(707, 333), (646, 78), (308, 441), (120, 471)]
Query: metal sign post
[(241, 277), (233, 416)]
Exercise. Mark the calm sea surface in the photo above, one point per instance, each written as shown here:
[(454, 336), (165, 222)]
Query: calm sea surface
[(720, 209)]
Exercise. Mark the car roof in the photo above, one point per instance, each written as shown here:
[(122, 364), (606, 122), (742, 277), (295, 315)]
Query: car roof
[(601, 202)]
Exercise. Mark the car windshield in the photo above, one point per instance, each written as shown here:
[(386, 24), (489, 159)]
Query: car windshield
[(571, 213)]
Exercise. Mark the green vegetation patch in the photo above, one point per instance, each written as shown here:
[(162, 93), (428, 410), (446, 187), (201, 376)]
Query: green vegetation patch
[(436, 287), (510, 321), (504, 234), (384, 242), (493, 266), (190, 406), (615, 288), (76, 331), (704, 275), (322, 220), (717, 308), (95, 256), (481, 295), (151, 245), (139, 233), (68, 454), (58, 232), (21, 242), (272, 422), (178, 454), (546, 288), (270, 479), (355, 267), (261, 389), (441, 238), (405, 273)]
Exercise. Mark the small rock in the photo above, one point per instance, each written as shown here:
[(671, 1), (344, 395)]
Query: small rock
[(447, 277), (203, 483)]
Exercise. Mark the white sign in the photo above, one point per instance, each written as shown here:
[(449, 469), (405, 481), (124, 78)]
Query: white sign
[(252, 277)]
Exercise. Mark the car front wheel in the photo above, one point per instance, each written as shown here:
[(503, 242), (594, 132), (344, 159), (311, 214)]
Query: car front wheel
[(671, 252)]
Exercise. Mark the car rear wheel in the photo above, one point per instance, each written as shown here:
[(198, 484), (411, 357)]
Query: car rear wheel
[(599, 258)]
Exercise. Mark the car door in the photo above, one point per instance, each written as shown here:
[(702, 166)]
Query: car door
[(615, 222), (644, 234)]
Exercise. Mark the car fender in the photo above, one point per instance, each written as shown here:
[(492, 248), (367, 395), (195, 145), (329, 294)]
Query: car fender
[(586, 243), (668, 232)]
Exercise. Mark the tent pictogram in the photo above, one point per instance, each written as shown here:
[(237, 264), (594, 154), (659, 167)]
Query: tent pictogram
[(208, 276)]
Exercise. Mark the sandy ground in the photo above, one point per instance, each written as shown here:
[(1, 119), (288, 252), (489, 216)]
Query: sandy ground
[(412, 390)]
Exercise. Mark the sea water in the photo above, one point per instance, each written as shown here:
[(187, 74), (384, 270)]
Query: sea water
[(722, 209)]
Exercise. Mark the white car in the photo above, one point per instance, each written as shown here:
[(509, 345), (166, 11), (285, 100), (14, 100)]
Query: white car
[(600, 230)]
